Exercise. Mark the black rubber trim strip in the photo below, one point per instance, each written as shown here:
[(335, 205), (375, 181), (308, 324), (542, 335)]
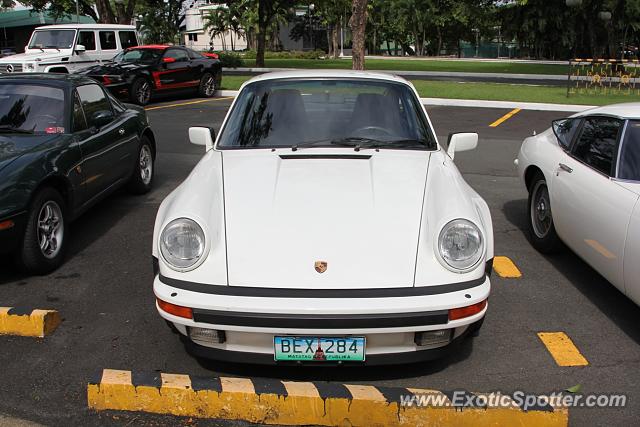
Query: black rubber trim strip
[(247, 291), (321, 321), (324, 156)]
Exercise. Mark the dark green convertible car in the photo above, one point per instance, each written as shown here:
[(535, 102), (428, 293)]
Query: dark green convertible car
[(65, 143)]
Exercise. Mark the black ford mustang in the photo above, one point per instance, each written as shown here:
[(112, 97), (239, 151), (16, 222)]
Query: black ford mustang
[(139, 71), (65, 143)]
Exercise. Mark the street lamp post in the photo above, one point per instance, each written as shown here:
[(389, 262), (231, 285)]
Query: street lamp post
[(311, 7)]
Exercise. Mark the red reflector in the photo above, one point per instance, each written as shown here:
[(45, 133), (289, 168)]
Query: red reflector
[(470, 310), (106, 80), (5, 225), (176, 310)]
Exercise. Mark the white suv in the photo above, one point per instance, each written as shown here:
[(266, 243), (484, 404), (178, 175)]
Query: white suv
[(68, 48)]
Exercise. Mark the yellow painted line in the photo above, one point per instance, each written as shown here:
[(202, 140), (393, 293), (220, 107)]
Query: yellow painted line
[(268, 401), (28, 323), (187, 103), (506, 268), (563, 350), (505, 118)]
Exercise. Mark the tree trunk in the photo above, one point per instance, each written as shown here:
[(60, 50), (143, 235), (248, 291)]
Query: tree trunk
[(388, 48), (334, 41), (358, 23), (329, 41), (439, 41), (105, 12), (260, 37), (231, 35)]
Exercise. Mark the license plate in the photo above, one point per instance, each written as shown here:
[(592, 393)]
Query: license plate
[(319, 349)]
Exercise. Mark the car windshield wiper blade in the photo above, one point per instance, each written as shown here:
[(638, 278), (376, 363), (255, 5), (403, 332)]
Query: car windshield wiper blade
[(11, 129), (359, 143), (53, 47), (345, 142)]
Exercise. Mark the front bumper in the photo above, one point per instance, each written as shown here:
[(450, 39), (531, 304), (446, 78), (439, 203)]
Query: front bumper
[(389, 323)]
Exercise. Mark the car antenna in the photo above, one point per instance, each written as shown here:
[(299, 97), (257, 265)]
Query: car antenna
[(294, 147)]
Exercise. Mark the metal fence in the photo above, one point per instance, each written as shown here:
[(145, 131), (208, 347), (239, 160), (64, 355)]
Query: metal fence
[(603, 77)]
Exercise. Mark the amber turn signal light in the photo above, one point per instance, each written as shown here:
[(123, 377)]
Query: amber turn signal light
[(470, 310), (176, 310)]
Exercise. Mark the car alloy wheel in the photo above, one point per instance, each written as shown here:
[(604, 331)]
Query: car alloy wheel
[(146, 164), (541, 218), (50, 229), (143, 92)]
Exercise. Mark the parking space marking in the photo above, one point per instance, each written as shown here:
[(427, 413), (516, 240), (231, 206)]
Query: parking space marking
[(26, 322), (270, 401), (506, 268), (505, 118), (187, 103), (562, 349)]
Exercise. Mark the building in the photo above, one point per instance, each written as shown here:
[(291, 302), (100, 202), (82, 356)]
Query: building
[(197, 38), (16, 27)]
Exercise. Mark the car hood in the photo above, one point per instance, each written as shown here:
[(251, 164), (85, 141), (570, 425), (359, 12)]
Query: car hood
[(358, 212), (113, 68), (47, 55), (14, 146)]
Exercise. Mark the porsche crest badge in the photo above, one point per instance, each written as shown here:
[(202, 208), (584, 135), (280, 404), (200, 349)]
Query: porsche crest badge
[(321, 266)]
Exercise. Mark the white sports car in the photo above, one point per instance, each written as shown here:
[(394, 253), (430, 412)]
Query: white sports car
[(583, 177), (326, 224)]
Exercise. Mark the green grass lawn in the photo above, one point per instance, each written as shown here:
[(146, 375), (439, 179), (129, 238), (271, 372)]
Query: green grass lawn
[(489, 91), (419, 65)]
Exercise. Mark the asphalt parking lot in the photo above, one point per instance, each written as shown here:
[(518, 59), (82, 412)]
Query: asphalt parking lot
[(104, 294)]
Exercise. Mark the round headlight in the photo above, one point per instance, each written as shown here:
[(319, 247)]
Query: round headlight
[(182, 243), (460, 244)]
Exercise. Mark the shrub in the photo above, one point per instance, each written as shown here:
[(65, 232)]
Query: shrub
[(288, 54), (230, 59)]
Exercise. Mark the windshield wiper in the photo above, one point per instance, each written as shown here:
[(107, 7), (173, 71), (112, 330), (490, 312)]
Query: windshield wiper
[(53, 47), (11, 129), (359, 143)]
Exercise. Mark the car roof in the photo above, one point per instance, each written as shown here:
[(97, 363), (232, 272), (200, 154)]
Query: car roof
[(88, 27), (626, 110), (336, 74), (53, 79)]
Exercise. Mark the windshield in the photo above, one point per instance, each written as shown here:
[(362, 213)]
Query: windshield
[(630, 153), (327, 113), (52, 39), (139, 55), (31, 108)]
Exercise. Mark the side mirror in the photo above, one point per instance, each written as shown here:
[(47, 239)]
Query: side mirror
[(80, 48), (202, 136), (463, 141), (168, 60), (101, 118)]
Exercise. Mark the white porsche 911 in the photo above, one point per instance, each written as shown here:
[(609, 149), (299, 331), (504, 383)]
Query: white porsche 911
[(326, 224), (583, 177)]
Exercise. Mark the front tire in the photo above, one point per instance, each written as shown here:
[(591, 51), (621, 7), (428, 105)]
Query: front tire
[(542, 231), (44, 243), (142, 176), (207, 86), (140, 91)]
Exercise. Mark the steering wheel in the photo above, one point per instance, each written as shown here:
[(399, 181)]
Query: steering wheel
[(369, 130)]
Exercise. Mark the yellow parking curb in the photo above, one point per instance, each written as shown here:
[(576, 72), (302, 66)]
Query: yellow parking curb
[(28, 322), (268, 401), (506, 268)]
